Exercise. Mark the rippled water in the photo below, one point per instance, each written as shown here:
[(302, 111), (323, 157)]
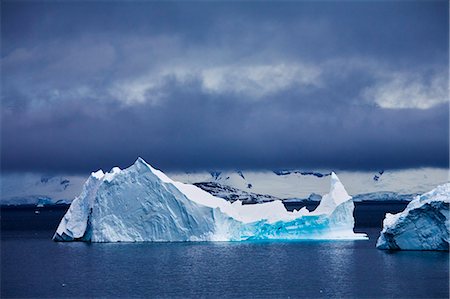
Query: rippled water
[(34, 266)]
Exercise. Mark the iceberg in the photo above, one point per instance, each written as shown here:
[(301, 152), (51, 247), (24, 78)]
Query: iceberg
[(423, 225), (141, 204)]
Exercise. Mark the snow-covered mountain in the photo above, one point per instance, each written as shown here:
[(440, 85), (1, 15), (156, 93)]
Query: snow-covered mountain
[(301, 184), (383, 196), (36, 189), (249, 186), (233, 194)]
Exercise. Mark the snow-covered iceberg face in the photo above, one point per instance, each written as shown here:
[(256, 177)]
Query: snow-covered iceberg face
[(141, 203), (423, 225)]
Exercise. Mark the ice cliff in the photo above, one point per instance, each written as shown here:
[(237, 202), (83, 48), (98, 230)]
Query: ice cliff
[(141, 203), (423, 225)]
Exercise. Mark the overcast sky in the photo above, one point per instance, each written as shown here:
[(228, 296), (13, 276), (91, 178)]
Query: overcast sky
[(226, 85)]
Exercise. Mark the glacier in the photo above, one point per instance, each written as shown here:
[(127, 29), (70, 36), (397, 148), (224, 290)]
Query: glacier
[(423, 225), (141, 203), (38, 189), (301, 183), (248, 186)]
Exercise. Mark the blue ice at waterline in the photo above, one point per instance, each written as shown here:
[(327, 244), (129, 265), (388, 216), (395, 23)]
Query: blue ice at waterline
[(142, 204)]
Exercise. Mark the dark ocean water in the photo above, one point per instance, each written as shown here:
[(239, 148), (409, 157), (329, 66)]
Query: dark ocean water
[(32, 265)]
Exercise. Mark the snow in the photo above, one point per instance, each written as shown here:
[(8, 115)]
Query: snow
[(98, 174), (423, 225), (383, 196), (232, 194), (332, 200), (141, 203), (294, 184), (34, 189), (74, 223), (110, 175)]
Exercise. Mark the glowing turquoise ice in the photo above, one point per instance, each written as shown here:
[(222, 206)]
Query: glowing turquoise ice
[(141, 204)]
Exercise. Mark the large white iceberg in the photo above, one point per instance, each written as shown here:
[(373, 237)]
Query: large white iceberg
[(141, 203), (423, 225)]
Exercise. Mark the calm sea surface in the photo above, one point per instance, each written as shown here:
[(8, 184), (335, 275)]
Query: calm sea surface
[(32, 265)]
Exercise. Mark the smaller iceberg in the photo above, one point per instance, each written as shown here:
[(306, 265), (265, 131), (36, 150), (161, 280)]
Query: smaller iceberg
[(141, 204), (423, 225)]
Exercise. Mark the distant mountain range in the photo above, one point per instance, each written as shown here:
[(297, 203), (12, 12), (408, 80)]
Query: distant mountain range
[(233, 194), (35, 189), (300, 184), (246, 186)]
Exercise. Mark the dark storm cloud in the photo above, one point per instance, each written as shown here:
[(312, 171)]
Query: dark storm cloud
[(224, 85)]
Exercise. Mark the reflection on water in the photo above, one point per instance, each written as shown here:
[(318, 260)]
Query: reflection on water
[(33, 265)]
